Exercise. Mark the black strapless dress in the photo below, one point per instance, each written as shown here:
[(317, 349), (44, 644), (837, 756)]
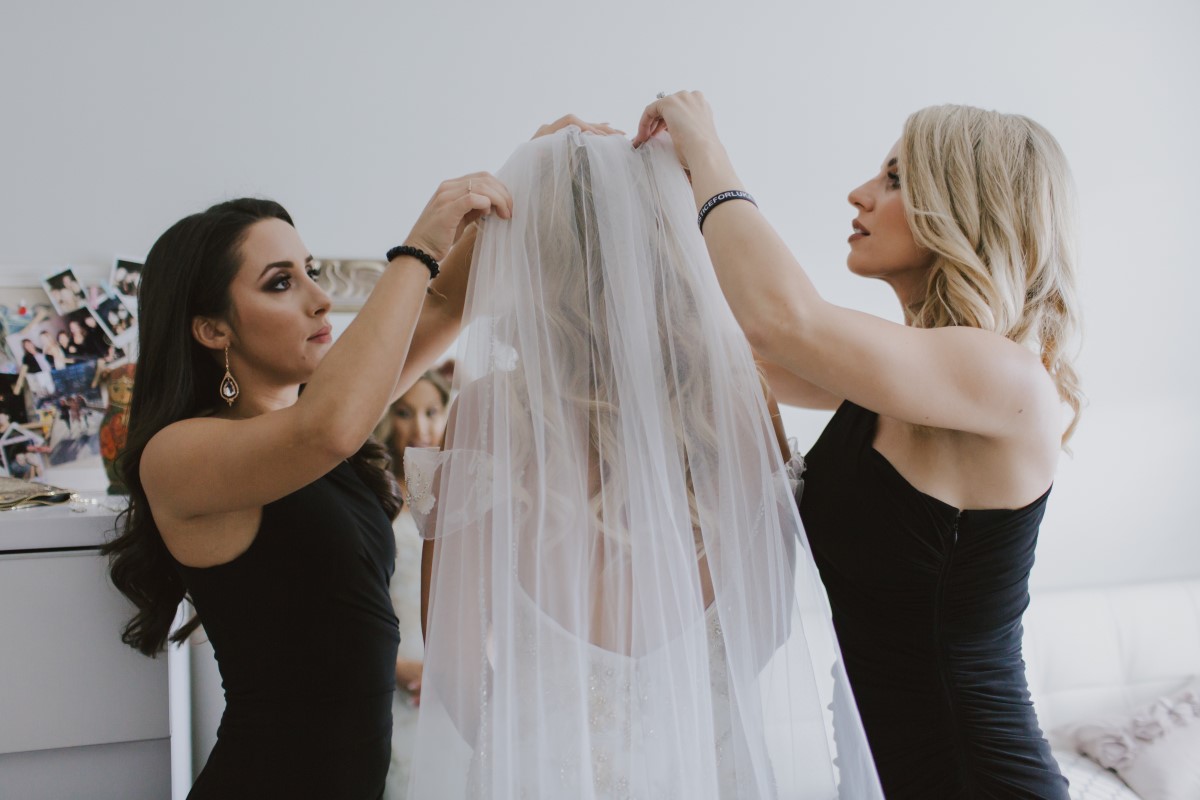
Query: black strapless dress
[(305, 638), (927, 603)]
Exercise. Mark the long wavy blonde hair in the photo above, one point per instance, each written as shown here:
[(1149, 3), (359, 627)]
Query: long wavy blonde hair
[(573, 288), (991, 195)]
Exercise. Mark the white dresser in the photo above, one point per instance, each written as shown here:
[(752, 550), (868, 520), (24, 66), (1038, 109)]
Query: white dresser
[(82, 715)]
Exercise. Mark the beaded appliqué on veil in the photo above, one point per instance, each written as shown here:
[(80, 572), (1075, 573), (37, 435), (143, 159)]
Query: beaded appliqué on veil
[(467, 468)]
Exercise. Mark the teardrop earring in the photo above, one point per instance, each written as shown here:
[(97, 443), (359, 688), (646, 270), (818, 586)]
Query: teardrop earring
[(229, 387)]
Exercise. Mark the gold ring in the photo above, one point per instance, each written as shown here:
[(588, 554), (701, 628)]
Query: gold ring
[(470, 183)]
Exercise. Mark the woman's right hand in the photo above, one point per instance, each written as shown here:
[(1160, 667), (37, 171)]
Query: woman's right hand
[(455, 205), (598, 128), (408, 678)]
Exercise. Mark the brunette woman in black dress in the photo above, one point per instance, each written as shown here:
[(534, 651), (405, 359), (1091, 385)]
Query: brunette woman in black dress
[(924, 494), (270, 509)]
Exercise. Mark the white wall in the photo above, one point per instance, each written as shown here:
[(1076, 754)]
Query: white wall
[(119, 118)]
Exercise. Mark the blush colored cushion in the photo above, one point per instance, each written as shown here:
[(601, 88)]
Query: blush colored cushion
[(1090, 781), (1156, 751)]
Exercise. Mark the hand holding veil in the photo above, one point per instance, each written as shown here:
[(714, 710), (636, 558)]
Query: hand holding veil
[(622, 601)]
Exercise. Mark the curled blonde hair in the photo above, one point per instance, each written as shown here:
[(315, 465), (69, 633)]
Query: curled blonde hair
[(991, 195), (573, 287)]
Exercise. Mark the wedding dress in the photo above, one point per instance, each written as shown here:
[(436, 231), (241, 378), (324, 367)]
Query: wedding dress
[(405, 591), (622, 602)]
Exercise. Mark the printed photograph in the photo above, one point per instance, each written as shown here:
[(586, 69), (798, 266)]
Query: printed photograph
[(22, 459), (126, 276), (7, 358), (21, 450), (65, 291), (12, 398), (88, 337), (38, 349), (13, 320), (57, 342), (71, 414), (116, 319)]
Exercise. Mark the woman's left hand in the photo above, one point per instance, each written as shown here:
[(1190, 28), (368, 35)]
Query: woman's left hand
[(408, 677)]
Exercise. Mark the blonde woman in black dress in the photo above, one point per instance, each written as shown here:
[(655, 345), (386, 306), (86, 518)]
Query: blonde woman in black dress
[(924, 494)]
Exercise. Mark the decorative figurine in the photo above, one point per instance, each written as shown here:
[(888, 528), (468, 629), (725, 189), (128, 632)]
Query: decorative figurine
[(115, 426)]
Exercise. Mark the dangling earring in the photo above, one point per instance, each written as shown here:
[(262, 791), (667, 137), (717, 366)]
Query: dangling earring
[(229, 387)]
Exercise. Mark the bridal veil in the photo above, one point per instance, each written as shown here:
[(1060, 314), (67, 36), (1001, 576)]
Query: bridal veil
[(623, 604)]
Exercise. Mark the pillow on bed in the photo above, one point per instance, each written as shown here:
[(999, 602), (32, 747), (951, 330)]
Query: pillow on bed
[(1156, 751)]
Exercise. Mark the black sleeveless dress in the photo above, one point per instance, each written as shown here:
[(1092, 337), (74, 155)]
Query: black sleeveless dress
[(927, 603), (305, 638)]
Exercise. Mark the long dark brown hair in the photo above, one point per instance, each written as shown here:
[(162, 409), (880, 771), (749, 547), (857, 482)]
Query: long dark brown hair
[(187, 274)]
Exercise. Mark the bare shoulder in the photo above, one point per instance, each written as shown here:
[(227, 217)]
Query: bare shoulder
[(1039, 406), (1012, 376), (165, 459), (1014, 465), (169, 468)]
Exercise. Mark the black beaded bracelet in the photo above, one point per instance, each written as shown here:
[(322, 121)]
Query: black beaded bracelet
[(419, 254), (717, 199)]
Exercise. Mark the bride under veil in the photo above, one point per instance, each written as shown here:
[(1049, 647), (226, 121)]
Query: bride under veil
[(622, 603)]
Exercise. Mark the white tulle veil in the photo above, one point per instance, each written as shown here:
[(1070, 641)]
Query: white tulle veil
[(623, 604)]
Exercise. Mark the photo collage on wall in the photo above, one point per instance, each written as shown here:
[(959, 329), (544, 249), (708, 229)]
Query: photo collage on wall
[(54, 357)]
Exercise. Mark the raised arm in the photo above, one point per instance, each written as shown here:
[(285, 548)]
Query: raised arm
[(208, 466), (441, 316), (958, 378), (792, 390)]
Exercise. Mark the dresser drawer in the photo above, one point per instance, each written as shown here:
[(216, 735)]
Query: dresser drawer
[(66, 679)]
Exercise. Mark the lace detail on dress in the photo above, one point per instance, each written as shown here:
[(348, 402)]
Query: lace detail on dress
[(794, 468), (405, 590)]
